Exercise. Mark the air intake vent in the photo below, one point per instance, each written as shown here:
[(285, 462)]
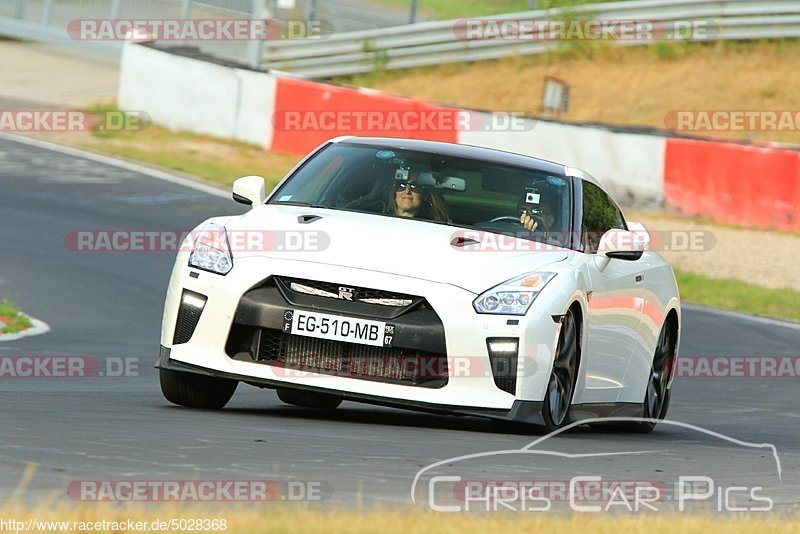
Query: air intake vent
[(350, 360), (503, 359), (189, 312)]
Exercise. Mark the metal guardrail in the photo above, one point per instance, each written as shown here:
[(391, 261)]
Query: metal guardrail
[(432, 43), (47, 20)]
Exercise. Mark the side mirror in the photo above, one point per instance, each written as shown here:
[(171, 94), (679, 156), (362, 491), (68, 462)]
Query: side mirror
[(622, 244), (641, 233), (249, 190)]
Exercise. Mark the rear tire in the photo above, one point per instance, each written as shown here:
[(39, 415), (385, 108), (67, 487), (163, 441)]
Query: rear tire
[(657, 395), (196, 391), (309, 399)]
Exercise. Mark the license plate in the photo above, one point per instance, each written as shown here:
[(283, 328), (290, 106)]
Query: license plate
[(338, 328)]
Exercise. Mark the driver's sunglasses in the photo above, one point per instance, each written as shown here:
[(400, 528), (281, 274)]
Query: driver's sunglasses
[(413, 186)]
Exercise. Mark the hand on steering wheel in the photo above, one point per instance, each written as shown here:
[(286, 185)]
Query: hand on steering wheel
[(528, 222)]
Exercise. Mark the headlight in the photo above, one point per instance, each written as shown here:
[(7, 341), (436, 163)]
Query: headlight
[(512, 297), (211, 251)]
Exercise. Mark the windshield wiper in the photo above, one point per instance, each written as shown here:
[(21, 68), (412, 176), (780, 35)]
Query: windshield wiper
[(297, 203)]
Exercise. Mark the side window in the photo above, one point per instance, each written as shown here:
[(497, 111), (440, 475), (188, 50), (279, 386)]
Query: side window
[(599, 215)]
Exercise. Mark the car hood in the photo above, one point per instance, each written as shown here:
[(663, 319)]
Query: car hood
[(392, 245)]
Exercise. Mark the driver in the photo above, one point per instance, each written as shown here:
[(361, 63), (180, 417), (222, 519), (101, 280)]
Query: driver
[(536, 212)]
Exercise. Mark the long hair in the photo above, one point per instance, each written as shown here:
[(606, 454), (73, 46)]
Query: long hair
[(433, 208)]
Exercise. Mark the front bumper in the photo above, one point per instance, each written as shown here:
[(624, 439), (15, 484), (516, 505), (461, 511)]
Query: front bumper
[(470, 387), (528, 412)]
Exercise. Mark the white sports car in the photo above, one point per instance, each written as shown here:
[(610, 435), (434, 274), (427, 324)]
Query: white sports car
[(429, 276)]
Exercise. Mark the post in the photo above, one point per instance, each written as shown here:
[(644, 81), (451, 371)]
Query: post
[(47, 12), (19, 9), (255, 50), (116, 6), (186, 9), (312, 12), (412, 12)]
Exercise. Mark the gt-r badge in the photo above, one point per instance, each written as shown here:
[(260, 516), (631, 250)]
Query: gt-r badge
[(346, 293)]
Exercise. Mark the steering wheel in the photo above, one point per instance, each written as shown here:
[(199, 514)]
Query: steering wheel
[(537, 220)]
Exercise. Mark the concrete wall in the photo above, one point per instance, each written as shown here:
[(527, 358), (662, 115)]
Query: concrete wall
[(188, 94)]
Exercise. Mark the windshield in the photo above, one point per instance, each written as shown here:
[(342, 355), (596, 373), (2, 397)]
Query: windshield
[(442, 189)]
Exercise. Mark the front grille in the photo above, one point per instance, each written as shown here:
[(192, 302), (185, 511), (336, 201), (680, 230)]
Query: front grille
[(189, 312), (347, 293), (352, 360)]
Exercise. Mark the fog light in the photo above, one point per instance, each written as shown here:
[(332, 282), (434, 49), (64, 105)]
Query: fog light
[(503, 360), (193, 301), (503, 346)]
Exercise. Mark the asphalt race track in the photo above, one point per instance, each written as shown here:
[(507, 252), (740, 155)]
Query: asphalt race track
[(107, 305)]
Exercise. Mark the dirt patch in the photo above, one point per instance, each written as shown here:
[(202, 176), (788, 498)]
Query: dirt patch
[(768, 259), (621, 85)]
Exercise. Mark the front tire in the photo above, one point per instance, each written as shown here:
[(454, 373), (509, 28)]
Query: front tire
[(561, 386), (196, 391), (309, 399)]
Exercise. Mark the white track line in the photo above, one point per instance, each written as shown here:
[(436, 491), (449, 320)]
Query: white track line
[(742, 316), (219, 192), (122, 164)]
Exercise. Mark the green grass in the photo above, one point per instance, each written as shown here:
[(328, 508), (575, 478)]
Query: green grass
[(203, 156), (15, 321), (735, 295), (451, 9)]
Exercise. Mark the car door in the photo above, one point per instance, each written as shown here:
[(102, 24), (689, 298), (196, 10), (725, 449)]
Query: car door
[(657, 282), (615, 302)]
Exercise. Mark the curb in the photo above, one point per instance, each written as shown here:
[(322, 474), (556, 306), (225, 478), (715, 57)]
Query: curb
[(39, 327)]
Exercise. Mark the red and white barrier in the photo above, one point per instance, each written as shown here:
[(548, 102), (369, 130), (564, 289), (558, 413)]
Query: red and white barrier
[(734, 184), (728, 182)]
